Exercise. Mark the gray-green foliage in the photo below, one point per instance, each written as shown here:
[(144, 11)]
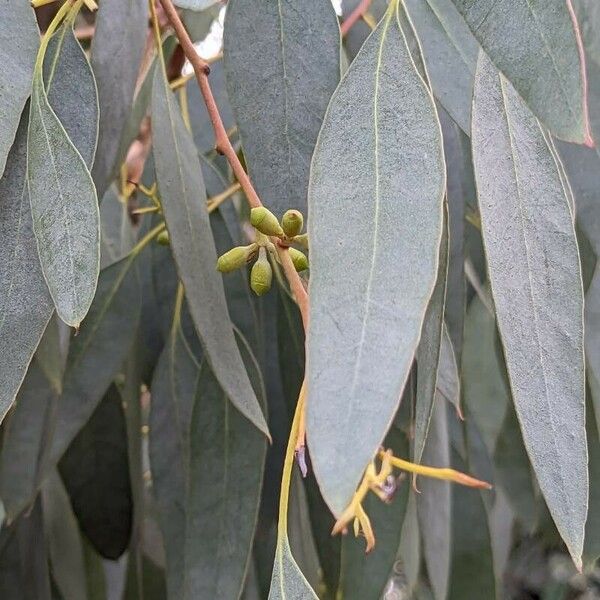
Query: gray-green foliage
[(528, 230), (452, 242), (393, 178)]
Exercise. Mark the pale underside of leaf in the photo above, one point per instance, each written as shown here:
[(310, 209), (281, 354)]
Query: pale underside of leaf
[(375, 210), (25, 305), (538, 47), (534, 269), (65, 210)]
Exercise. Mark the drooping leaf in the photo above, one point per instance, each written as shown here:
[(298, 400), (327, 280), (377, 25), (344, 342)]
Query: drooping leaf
[(591, 549), (377, 179), (174, 387), (410, 551), (448, 380), (364, 576), (472, 568), (117, 48), (434, 504), (64, 541), (227, 459), (95, 471), (25, 304), (428, 353), (98, 351), (485, 391), (19, 41), (282, 62), (25, 445), (537, 46), (64, 208), (24, 571), (117, 233), (288, 581), (460, 192), (513, 471), (71, 91), (535, 276), (183, 200), (450, 52), (52, 351)]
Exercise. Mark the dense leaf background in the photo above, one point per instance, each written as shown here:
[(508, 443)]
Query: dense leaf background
[(442, 155)]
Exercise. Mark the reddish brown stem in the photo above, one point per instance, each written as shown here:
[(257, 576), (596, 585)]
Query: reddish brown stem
[(354, 16), (223, 145)]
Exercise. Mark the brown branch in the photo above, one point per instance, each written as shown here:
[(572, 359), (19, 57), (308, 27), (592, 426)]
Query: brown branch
[(354, 16), (223, 146)]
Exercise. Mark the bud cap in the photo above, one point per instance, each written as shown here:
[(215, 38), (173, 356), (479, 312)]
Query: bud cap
[(265, 221), (292, 223), (261, 275), (235, 258), (299, 259)]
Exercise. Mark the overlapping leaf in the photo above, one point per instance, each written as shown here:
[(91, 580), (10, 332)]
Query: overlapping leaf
[(534, 270), (183, 200), (25, 304), (537, 46), (117, 49), (266, 61), (375, 224), (20, 40), (63, 204)]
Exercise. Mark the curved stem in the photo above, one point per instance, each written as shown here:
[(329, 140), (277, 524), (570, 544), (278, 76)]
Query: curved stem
[(354, 16)]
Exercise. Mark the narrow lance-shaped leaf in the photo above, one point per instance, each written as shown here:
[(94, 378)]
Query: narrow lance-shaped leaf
[(375, 210), (183, 199), (537, 46), (535, 275), (64, 207), (434, 504), (71, 90), (428, 353), (25, 304), (450, 52), (19, 40), (282, 62), (227, 459), (117, 48)]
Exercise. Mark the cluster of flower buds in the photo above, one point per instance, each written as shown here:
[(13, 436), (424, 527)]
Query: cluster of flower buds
[(267, 225)]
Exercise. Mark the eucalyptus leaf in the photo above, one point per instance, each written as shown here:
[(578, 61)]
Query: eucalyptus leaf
[(472, 568), (450, 52), (64, 541), (428, 353), (95, 471), (365, 575), (183, 200), (98, 351), (538, 47), (434, 505), (288, 582), (227, 459), (71, 90), (535, 276), (282, 62), (375, 224), (119, 38), (486, 393), (25, 304), (64, 207), (19, 40)]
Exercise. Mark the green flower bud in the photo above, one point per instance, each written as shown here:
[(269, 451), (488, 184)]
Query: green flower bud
[(163, 238), (299, 259), (265, 221), (292, 223), (261, 275), (302, 240), (235, 258)]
